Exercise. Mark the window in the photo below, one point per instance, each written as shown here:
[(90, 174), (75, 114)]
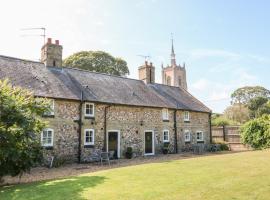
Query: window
[(168, 80), (47, 137), (166, 136), (179, 81), (186, 116), (199, 136), (165, 114), (89, 110), (50, 112), (187, 136), (89, 137)]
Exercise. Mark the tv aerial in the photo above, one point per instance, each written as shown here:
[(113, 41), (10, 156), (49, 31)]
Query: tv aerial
[(146, 57), (42, 34)]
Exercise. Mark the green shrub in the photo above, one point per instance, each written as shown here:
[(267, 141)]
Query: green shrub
[(222, 121), (165, 148), (129, 152), (256, 132)]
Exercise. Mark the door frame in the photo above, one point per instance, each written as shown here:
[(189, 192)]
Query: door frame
[(153, 143), (118, 141)]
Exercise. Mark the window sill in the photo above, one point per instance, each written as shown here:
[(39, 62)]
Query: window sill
[(48, 147), (200, 141), (187, 142), (186, 121), (89, 146), (166, 141), (89, 117), (165, 120), (48, 116)]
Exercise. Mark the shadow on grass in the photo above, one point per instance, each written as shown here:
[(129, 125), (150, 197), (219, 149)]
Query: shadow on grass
[(68, 188)]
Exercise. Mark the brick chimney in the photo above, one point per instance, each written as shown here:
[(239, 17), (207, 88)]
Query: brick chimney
[(51, 54), (147, 73)]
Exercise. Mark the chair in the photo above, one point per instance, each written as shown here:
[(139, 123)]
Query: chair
[(105, 157)]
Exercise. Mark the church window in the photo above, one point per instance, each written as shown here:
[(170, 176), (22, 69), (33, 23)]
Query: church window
[(168, 80)]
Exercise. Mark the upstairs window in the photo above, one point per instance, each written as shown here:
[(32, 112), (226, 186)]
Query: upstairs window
[(165, 114), (199, 136), (187, 136), (186, 116), (47, 137), (166, 136), (89, 110), (89, 137), (50, 112)]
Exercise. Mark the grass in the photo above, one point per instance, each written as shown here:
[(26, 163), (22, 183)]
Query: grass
[(230, 176)]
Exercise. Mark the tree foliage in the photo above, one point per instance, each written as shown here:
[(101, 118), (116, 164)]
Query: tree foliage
[(97, 61), (244, 94), (237, 112), (259, 106), (256, 132), (19, 127)]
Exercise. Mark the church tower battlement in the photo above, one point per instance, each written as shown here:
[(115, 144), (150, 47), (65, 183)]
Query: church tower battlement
[(174, 75)]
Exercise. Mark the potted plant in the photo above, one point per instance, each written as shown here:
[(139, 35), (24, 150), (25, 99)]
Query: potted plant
[(129, 153), (165, 148)]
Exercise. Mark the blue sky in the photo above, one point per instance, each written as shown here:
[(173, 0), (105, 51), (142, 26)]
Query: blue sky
[(225, 44)]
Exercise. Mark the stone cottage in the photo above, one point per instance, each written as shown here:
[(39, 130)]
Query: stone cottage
[(92, 111)]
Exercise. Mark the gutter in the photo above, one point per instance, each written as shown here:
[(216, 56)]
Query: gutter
[(105, 127), (210, 127), (80, 128), (175, 133)]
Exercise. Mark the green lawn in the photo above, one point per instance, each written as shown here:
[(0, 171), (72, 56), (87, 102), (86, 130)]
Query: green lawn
[(231, 176)]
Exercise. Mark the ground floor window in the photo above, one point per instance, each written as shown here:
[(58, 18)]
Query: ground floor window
[(89, 136), (199, 136), (187, 136), (166, 136), (47, 137)]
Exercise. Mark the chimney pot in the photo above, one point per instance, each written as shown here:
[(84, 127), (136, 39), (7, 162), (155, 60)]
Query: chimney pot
[(57, 42), (49, 40)]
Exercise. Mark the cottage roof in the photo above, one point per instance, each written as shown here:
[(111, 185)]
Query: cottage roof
[(67, 83)]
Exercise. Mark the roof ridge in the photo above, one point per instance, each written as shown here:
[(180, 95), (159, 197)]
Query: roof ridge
[(87, 71), (21, 59)]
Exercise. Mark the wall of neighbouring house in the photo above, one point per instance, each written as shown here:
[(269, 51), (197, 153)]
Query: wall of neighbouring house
[(129, 120)]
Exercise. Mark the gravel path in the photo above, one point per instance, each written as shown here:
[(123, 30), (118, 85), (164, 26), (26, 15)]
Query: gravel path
[(43, 173)]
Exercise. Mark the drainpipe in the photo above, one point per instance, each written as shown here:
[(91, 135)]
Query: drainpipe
[(175, 132), (210, 126), (105, 128), (80, 128)]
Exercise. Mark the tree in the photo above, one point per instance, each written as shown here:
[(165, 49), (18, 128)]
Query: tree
[(256, 132), (97, 61), (245, 94), (237, 112), (259, 106), (220, 120), (20, 124)]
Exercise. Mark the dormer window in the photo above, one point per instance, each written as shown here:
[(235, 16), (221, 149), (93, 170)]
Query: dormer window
[(50, 112), (186, 116), (165, 114), (89, 110)]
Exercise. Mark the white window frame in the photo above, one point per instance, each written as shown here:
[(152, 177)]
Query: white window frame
[(186, 117), (91, 114), (189, 136), (199, 140), (47, 144), (168, 140), (93, 136), (165, 114)]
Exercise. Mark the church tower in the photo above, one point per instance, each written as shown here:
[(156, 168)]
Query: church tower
[(174, 75)]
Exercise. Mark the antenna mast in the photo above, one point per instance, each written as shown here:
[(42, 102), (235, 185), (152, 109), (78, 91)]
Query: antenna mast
[(43, 29), (146, 58)]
